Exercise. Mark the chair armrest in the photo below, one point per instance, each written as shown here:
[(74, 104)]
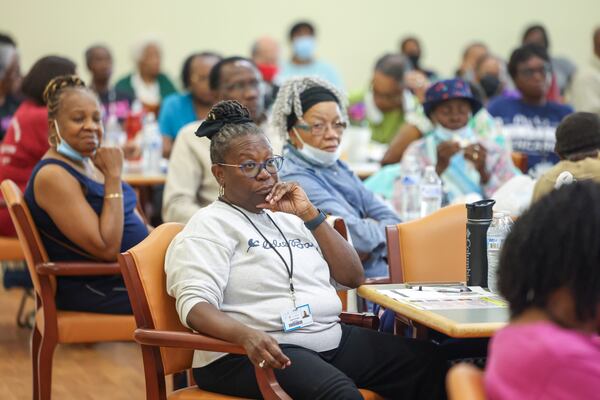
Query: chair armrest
[(377, 281), (187, 340), (365, 320), (76, 268), (265, 377)]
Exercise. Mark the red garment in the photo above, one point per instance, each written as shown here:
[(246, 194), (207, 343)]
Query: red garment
[(25, 143), (554, 92)]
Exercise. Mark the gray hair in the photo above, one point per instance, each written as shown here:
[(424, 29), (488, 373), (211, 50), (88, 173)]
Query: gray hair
[(288, 101), (7, 52), (138, 48), (392, 65), (219, 144)]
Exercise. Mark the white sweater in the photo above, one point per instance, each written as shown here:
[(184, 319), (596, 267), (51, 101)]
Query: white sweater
[(221, 259)]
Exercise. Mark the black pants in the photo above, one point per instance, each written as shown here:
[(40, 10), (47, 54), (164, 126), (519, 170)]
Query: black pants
[(393, 367), (102, 294)]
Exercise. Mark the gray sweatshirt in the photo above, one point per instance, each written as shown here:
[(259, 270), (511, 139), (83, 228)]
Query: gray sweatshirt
[(221, 259)]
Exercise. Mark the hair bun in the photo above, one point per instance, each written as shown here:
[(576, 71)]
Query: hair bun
[(227, 110), (59, 83), (221, 114)]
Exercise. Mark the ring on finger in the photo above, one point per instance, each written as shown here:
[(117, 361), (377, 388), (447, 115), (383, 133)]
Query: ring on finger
[(262, 363)]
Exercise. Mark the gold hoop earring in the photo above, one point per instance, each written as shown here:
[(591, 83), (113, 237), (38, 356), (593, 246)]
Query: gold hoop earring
[(52, 141)]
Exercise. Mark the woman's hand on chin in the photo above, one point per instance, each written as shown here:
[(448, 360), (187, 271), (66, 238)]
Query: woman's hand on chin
[(109, 160), (288, 197)]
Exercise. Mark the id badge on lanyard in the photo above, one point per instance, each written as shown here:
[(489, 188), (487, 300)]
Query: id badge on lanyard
[(296, 318), (299, 316)]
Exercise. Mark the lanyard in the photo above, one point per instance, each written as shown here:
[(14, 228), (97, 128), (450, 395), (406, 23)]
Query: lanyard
[(289, 269)]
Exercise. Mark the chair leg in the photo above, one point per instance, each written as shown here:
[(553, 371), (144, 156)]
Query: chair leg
[(22, 316), (45, 368), (36, 338)]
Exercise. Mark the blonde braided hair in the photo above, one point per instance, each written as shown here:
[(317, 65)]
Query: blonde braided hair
[(288, 101), (52, 94)]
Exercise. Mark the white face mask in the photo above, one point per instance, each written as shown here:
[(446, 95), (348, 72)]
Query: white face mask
[(462, 135), (318, 156)]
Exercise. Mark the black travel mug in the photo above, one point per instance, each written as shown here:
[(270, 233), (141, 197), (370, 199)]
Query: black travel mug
[(479, 218)]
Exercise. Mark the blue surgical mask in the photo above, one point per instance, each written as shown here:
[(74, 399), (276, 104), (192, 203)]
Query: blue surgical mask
[(318, 156), (66, 150), (304, 47)]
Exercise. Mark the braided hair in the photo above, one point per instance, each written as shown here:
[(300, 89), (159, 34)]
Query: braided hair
[(234, 120), (288, 101), (54, 91), (58, 86)]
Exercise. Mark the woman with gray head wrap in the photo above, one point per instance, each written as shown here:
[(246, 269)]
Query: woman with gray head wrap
[(288, 103), (311, 115)]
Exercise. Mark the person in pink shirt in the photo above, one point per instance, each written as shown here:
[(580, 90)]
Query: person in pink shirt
[(550, 275)]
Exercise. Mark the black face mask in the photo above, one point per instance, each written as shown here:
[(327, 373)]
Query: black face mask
[(414, 60), (490, 85)]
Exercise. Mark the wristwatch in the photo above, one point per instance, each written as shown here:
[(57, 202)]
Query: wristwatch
[(316, 221)]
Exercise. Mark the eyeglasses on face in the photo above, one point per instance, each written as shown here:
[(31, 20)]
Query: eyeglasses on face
[(319, 128), (529, 72), (241, 87), (251, 169)]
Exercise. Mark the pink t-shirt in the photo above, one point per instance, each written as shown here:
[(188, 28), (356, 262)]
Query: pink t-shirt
[(543, 361)]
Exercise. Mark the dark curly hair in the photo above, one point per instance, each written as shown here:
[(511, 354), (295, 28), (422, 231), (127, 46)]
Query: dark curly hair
[(229, 110), (43, 71), (302, 25), (524, 53), (187, 66), (555, 245)]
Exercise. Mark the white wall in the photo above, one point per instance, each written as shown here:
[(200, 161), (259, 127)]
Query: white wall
[(351, 33)]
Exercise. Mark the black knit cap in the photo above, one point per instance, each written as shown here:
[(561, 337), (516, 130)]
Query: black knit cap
[(310, 97), (578, 133)]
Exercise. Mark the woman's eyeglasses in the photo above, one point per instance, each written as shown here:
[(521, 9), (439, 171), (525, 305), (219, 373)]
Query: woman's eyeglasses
[(251, 169), (319, 128), (529, 72), (243, 86)]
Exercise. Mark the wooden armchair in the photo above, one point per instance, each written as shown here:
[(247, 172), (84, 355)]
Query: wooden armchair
[(54, 326), (465, 382), (10, 251), (167, 346), (430, 249)]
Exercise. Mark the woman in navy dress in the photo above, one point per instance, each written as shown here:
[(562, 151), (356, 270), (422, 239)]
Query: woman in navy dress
[(82, 209)]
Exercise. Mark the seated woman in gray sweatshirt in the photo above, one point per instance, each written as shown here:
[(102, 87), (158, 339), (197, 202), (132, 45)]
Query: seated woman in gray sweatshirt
[(256, 268)]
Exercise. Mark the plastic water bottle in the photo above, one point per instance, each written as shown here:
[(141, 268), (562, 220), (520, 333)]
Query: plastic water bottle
[(406, 190), (497, 232), (114, 135), (431, 191), (151, 145)]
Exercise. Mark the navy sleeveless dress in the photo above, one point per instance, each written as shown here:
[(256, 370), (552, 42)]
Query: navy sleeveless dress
[(103, 294)]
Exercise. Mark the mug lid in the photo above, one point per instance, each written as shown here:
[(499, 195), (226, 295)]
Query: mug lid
[(482, 209)]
